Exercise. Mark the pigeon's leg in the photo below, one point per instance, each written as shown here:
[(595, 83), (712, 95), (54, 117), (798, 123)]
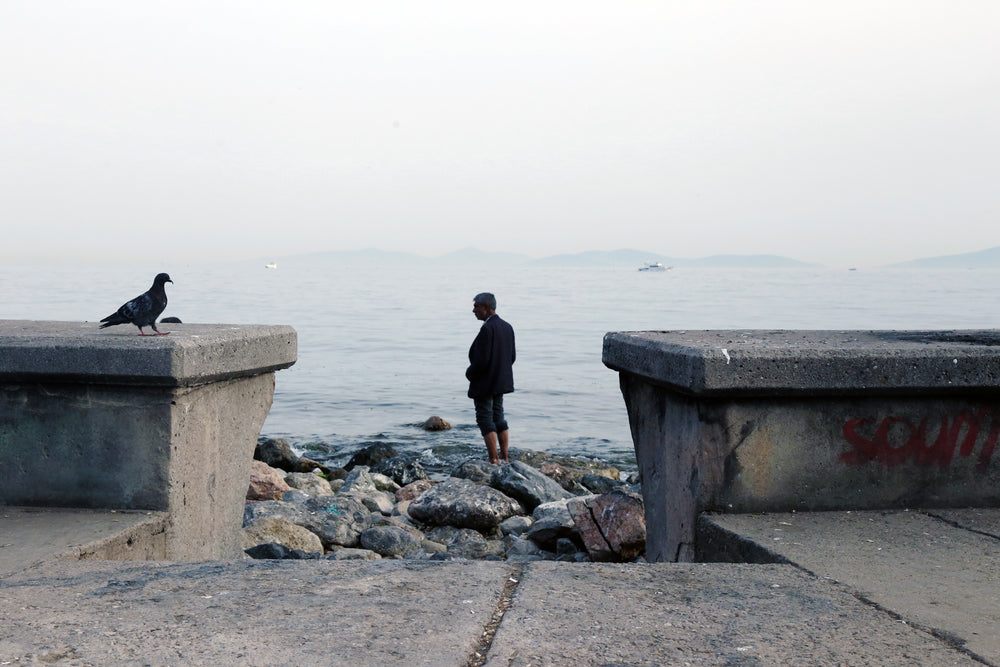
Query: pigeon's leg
[(158, 332)]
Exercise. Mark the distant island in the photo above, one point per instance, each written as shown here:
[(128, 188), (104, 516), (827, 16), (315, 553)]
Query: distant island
[(626, 258), (596, 258), (983, 259)]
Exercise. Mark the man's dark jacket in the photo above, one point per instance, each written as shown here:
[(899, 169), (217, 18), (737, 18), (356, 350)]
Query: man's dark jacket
[(491, 358)]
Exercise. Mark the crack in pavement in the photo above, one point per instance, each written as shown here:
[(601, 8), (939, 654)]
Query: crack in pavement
[(479, 655)]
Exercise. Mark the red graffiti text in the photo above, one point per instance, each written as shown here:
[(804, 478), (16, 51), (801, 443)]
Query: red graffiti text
[(896, 440)]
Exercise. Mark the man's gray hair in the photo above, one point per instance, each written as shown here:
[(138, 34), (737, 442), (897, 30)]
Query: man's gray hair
[(486, 299)]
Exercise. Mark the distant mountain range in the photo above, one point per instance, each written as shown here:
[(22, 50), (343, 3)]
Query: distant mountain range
[(989, 258), (983, 259), (594, 258)]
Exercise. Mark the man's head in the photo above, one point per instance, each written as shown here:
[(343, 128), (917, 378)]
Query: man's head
[(484, 305)]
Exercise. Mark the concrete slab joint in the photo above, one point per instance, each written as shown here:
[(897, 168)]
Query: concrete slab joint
[(110, 419), (762, 421)]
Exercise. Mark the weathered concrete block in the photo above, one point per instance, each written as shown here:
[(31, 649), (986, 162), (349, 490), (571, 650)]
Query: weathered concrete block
[(107, 419), (807, 420)]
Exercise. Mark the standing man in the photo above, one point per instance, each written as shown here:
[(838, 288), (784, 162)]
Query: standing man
[(490, 374)]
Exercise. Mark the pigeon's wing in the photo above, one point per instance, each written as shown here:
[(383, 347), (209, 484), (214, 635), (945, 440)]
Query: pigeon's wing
[(138, 309), (131, 310)]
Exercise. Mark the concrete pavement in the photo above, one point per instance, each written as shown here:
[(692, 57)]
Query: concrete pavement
[(858, 588)]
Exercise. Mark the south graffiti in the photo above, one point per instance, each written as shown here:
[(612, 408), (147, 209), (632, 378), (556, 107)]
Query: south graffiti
[(896, 440)]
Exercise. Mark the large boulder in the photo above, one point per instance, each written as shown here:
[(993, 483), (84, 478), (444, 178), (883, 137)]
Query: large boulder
[(521, 481), (465, 504), (612, 526)]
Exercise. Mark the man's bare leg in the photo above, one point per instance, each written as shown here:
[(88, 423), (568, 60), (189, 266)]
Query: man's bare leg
[(491, 446), (503, 437)]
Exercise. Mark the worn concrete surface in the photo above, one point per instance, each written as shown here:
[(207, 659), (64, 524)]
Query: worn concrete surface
[(898, 588), (248, 613), (811, 362), (937, 569), (700, 614), (48, 351), (30, 536)]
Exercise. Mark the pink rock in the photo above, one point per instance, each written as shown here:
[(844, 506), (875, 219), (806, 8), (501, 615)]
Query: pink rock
[(612, 525), (266, 483), (413, 490)]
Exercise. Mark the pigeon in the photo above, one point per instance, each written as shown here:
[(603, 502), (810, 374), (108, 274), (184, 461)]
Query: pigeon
[(143, 310)]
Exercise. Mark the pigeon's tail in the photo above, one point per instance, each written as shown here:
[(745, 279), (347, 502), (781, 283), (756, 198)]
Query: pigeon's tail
[(112, 320)]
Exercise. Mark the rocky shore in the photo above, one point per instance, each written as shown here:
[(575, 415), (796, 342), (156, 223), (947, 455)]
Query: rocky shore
[(384, 505)]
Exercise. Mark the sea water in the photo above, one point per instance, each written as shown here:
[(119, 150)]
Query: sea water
[(383, 346)]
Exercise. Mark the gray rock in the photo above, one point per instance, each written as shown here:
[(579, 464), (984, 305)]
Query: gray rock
[(347, 553), (449, 535), (276, 453), (358, 481), (309, 482), (295, 496), (516, 525), (338, 520), (556, 509), (402, 509), (431, 547), (474, 470), (547, 532), (526, 484), (466, 542), (462, 503), (280, 531), (599, 483), (520, 546), (390, 541), (376, 501), (401, 469), (371, 455), (384, 482), (293, 512)]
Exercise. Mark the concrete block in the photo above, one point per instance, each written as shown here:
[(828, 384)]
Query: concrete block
[(759, 421), (97, 419)]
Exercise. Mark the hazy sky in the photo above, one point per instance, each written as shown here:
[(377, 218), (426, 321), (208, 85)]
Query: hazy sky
[(854, 132)]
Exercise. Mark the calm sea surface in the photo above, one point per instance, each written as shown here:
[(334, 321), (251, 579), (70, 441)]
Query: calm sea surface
[(383, 347)]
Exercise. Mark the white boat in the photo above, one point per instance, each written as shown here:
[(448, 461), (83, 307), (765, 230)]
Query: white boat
[(272, 265), (654, 266)]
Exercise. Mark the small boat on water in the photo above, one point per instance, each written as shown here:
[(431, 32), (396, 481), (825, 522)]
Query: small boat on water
[(271, 265), (654, 266)]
